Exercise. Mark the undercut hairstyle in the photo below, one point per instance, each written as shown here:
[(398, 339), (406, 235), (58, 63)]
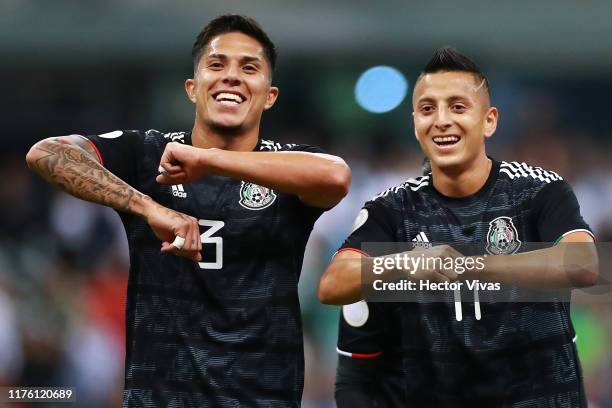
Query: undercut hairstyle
[(231, 23), (448, 59)]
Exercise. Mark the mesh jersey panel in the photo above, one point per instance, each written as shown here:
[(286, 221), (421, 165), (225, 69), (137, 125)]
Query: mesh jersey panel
[(518, 354), (222, 336)]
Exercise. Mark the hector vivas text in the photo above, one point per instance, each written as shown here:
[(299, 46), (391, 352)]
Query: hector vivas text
[(412, 264)]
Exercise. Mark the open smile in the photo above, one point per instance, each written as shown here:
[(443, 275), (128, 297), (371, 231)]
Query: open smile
[(229, 98), (446, 141)]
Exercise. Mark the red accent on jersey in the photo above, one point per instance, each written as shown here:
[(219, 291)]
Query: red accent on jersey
[(352, 249), (365, 356), (97, 151)]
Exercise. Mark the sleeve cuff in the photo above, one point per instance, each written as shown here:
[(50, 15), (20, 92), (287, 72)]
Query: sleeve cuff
[(571, 232), (351, 249), (359, 355)]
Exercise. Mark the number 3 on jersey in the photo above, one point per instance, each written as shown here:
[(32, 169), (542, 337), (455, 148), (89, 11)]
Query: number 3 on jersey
[(207, 238)]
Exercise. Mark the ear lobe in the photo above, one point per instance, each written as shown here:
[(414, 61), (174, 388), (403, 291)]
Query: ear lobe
[(491, 122), (190, 90), (271, 98)]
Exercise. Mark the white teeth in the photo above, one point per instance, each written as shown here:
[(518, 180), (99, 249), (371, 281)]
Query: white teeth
[(446, 139), (228, 97)]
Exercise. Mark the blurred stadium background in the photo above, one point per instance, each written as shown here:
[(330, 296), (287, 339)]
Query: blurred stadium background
[(96, 66)]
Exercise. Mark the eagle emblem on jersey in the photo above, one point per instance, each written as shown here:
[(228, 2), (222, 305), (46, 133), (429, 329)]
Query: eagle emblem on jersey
[(502, 238), (254, 197)]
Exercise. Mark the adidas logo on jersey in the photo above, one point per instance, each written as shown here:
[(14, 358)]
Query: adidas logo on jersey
[(179, 191), (421, 241)]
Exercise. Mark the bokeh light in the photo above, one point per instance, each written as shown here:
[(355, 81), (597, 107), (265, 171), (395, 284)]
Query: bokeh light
[(381, 89)]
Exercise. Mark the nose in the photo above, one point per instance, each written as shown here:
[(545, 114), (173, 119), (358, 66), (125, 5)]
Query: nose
[(232, 75), (443, 120)]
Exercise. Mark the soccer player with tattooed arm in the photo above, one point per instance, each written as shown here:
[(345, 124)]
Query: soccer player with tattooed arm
[(217, 220), (456, 352)]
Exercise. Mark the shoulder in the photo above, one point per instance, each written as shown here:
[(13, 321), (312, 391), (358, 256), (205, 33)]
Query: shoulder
[(118, 136), (156, 135), (134, 135), (523, 172), (525, 181), (272, 146), (400, 193)]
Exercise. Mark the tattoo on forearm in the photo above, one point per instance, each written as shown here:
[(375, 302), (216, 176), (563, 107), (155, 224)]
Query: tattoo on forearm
[(71, 169)]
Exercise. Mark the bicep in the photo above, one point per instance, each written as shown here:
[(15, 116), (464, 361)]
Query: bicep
[(345, 255), (341, 281), (341, 260), (339, 268), (83, 143)]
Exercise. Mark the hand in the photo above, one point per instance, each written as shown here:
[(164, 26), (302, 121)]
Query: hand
[(433, 263), (168, 224), (181, 164)]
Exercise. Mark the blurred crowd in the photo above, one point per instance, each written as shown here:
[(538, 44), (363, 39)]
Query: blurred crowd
[(64, 262)]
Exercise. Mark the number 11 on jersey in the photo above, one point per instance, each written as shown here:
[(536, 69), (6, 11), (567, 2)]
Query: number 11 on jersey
[(207, 238)]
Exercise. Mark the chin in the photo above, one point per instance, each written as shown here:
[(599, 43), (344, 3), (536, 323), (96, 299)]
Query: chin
[(229, 122), (227, 128), (448, 163)]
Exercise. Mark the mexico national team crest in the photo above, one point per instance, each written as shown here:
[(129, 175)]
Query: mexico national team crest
[(254, 197), (502, 238)]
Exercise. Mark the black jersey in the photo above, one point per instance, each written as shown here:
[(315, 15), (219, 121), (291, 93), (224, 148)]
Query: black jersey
[(369, 356), (498, 354), (224, 332)]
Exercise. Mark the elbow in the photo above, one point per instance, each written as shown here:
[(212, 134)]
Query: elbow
[(585, 273), (585, 277), (326, 293), (339, 179), (34, 154), (326, 184), (343, 179)]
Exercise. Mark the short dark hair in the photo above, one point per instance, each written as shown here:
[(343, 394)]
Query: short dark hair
[(449, 59), (228, 23)]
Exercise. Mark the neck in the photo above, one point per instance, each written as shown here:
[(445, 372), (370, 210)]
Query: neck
[(464, 182), (207, 137)]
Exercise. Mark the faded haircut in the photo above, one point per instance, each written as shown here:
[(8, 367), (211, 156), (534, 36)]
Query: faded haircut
[(448, 59)]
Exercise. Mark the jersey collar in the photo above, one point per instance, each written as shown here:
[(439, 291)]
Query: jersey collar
[(477, 196), (189, 142)]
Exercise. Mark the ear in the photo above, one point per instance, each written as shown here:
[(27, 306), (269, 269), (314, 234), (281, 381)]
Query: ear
[(271, 98), (491, 121), (190, 89)]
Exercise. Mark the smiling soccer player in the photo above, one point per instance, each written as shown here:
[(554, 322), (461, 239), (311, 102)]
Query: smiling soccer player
[(219, 327), (432, 354)]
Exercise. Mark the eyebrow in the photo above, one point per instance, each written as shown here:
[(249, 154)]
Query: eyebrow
[(450, 98), (243, 58)]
